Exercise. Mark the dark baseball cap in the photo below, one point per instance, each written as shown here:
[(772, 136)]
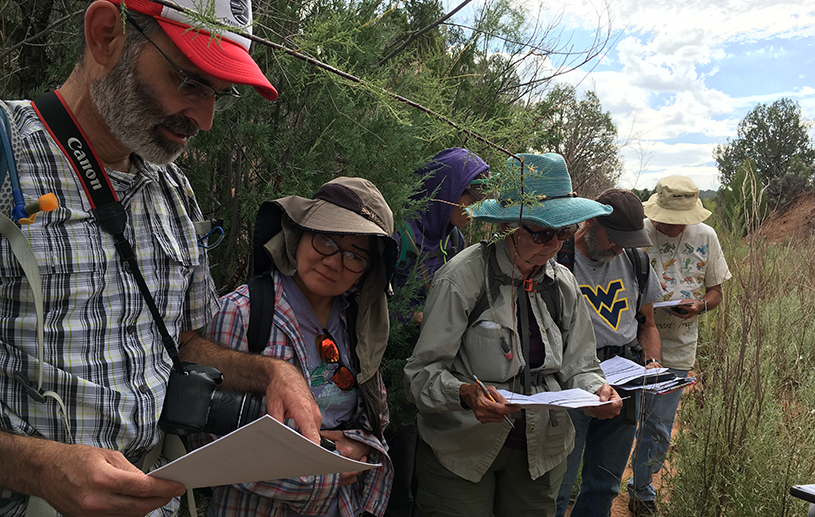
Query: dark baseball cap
[(625, 225)]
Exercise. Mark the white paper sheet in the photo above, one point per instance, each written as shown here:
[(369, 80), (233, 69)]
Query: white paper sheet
[(260, 451), (619, 370), (670, 303), (574, 398), (805, 492)]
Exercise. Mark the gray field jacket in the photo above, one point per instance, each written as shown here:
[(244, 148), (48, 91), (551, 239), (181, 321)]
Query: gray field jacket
[(452, 348)]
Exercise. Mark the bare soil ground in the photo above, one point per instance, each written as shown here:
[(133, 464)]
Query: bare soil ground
[(619, 507), (797, 222)]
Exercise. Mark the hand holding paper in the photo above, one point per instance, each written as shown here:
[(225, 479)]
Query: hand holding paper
[(261, 451)]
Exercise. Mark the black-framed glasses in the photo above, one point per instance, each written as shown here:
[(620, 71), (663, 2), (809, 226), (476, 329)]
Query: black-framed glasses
[(326, 246), (546, 235), (194, 91)]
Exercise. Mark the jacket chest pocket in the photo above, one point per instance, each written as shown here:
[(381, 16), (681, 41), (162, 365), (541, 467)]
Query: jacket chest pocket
[(485, 342), (67, 242), (172, 232)]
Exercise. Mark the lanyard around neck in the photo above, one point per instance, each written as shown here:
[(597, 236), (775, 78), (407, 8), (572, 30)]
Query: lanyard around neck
[(106, 207)]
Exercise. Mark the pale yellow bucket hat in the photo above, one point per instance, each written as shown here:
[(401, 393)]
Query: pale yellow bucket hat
[(676, 201)]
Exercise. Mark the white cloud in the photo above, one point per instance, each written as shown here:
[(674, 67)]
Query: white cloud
[(654, 85), (645, 166)]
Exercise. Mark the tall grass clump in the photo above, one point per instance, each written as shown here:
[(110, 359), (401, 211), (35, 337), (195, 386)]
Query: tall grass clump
[(748, 427)]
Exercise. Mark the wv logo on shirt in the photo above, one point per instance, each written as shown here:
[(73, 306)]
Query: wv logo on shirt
[(608, 303)]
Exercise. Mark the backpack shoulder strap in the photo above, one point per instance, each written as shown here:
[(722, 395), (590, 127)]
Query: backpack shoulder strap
[(261, 311), (550, 291), (407, 246), (495, 279), (10, 144), (493, 282), (641, 270), (566, 254), (351, 314)]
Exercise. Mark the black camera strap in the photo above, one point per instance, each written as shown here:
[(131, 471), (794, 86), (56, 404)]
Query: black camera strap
[(107, 209)]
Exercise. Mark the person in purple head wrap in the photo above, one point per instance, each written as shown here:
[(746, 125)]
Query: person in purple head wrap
[(454, 178)]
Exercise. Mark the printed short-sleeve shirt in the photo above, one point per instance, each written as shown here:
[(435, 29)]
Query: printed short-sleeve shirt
[(611, 292), (102, 353), (686, 264)]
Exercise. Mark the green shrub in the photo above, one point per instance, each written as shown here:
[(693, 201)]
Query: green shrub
[(748, 429)]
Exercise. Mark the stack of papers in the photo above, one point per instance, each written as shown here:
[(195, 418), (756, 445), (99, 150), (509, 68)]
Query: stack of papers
[(619, 370), (670, 303), (661, 388), (627, 375), (805, 492), (566, 399)]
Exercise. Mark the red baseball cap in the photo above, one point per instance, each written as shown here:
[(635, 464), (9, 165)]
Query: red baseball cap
[(225, 57)]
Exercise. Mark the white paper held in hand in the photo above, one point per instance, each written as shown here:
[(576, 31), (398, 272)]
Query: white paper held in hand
[(566, 399), (260, 451)]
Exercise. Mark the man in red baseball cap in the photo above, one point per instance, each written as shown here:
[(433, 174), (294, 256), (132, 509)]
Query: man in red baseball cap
[(224, 55), (77, 437)]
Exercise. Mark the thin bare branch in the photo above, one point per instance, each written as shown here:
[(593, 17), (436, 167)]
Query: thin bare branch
[(418, 33), (40, 34)]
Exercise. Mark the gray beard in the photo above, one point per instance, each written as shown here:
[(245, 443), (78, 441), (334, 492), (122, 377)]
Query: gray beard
[(134, 114), (594, 253)]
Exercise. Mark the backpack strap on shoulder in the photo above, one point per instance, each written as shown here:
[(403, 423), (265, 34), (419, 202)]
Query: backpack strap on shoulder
[(482, 304), (642, 269), (566, 254), (407, 246), (11, 146), (261, 312)]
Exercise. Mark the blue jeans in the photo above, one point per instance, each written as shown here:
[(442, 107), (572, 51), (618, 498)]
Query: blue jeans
[(654, 438), (604, 446)]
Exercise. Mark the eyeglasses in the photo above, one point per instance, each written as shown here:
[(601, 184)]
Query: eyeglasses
[(546, 235), (330, 353), (194, 91), (326, 246)]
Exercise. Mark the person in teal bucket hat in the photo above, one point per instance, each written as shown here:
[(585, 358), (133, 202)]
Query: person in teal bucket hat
[(508, 315)]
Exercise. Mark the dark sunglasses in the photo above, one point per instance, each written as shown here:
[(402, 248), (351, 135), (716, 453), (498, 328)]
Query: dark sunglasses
[(326, 246), (194, 91), (330, 353), (546, 235)]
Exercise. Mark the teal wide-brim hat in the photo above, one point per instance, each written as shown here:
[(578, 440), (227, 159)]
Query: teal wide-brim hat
[(545, 179)]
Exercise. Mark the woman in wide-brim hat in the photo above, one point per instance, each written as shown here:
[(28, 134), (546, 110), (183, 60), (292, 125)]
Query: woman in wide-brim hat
[(330, 259), (505, 314)]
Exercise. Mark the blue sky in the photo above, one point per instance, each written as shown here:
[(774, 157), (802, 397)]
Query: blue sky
[(682, 74)]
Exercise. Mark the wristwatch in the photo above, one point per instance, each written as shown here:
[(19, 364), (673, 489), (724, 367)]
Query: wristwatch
[(652, 360)]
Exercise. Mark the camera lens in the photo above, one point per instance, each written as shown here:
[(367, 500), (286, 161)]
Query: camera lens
[(229, 410)]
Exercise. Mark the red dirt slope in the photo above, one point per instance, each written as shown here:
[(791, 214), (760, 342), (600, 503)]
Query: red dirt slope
[(796, 222)]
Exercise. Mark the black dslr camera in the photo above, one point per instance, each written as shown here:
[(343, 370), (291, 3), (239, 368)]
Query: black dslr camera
[(193, 405)]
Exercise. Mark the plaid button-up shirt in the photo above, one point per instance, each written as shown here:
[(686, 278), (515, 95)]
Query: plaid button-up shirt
[(103, 354)]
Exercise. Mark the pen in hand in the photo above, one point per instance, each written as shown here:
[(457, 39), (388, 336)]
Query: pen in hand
[(489, 396)]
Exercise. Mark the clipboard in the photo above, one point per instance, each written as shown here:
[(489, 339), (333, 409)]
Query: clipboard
[(648, 379), (805, 492)]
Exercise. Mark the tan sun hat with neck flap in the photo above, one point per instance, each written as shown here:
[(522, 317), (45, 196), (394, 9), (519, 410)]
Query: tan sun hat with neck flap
[(676, 201)]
